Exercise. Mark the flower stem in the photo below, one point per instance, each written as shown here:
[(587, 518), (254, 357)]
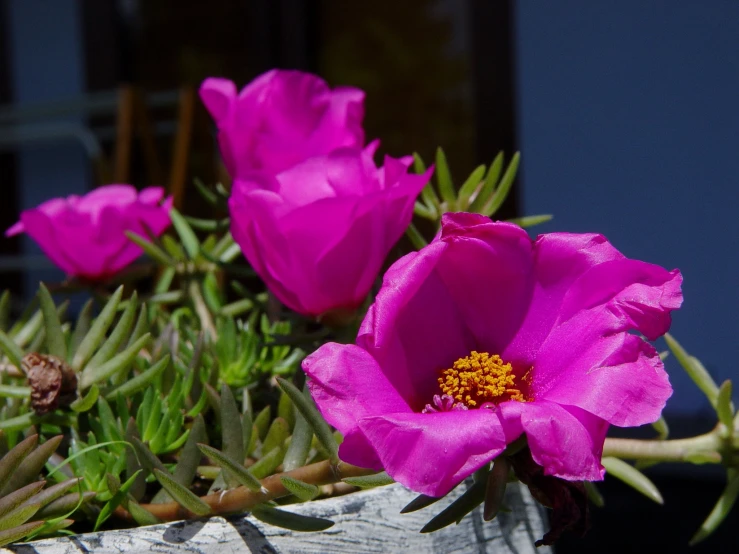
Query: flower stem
[(242, 499), (206, 320), (705, 447)]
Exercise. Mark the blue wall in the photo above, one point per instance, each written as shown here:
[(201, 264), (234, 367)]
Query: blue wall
[(47, 64), (629, 126)]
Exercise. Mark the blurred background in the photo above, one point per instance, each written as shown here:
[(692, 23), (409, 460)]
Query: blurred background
[(625, 114)]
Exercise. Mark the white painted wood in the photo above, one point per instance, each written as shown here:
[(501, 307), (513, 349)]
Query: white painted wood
[(367, 521)]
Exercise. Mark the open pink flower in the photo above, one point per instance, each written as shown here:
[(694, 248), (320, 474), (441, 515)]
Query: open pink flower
[(318, 233), (281, 118), (85, 235), (485, 335)]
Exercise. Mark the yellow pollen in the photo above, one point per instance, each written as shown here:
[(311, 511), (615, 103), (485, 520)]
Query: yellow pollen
[(479, 378)]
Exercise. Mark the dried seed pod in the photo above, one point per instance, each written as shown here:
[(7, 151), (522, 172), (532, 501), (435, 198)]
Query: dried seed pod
[(53, 382)]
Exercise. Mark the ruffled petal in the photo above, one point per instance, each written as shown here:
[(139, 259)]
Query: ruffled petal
[(348, 385), (415, 329), (629, 295), (566, 442), (218, 96), (619, 378), (487, 270), (560, 260), (431, 453), (41, 229)]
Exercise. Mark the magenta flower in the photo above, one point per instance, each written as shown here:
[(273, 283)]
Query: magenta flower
[(85, 235), (485, 335), (318, 233), (281, 118)]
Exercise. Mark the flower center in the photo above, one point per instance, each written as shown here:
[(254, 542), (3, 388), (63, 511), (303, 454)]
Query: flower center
[(480, 379)]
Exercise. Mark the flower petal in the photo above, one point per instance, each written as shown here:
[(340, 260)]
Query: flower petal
[(414, 329), (431, 453), (566, 442), (560, 260), (487, 270), (619, 378), (218, 96)]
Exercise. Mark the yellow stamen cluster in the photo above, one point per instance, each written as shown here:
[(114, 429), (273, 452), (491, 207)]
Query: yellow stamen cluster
[(479, 378)]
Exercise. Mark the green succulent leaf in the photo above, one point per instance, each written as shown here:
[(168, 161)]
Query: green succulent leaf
[(300, 444), (504, 186), (141, 515), (120, 332), (18, 516), (151, 249), (488, 186), (303, 491), (530, 220), (11, 350), (141, 381), (722, 508), (118, 498), (415, 236), (289, 520), (632, 477), (10, 502), (444, 180), (82, 327), (32, 465), (232, 433), (420, 502), (118, 363), (66, 504), (239, 472), (495, 488), (268, 463), (725, 407), (694, 369), (96, 335), (55, 342), (86, 402), (182, 495), (368, 481), (278, 433), (594, 494), (472, 183), (470, 499), (186, 234), (14, 458), (20, 532), (311, 414)]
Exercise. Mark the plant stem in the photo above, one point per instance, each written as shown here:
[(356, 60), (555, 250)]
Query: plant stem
[(206, 320), (242, 499), (676, 450)]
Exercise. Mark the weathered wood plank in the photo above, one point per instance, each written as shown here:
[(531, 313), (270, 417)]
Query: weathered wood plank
[(367, 521)]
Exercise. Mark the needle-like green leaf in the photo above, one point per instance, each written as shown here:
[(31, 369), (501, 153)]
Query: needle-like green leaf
[(55, 342), (368, 481), (311, 414), (187, 235), (13, 459), (304, 491), (96, 335), (182, 495), (632, 477), (289, 520), (722, 508), (239, 472), (114, 365)]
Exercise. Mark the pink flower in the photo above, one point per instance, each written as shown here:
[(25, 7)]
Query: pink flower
[(281, 118), (84, 235), (525, 336), (318, 233)]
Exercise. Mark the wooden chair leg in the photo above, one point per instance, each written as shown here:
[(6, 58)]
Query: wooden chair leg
[(124, 132), (181, 149)]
